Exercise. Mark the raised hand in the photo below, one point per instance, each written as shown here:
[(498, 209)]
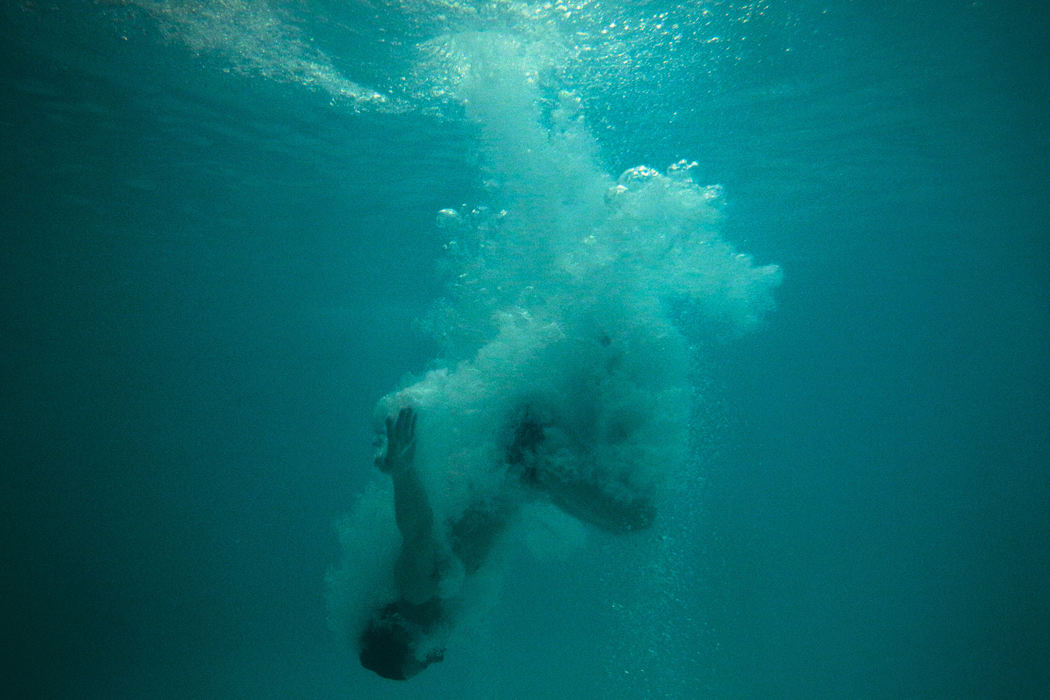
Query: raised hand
[(400, 441)]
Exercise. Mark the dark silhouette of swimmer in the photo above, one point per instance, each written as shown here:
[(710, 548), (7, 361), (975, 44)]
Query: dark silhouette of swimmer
[(397, 641)]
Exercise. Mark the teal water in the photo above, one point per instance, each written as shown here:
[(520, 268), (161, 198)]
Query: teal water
[(219, 232)]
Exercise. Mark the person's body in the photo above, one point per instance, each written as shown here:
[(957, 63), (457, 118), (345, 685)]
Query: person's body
[(392, 643)]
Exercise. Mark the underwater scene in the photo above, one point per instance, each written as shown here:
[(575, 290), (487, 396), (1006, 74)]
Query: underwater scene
[(525, 349)]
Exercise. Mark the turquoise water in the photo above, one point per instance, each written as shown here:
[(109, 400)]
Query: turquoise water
[(221, 229)]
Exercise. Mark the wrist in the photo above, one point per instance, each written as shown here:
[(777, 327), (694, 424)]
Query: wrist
[(394, 465)]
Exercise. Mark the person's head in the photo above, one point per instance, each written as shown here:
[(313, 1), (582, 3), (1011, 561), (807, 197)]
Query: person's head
[(390, 648)]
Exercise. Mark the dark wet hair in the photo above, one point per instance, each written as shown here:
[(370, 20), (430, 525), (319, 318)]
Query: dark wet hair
[(390, 642)]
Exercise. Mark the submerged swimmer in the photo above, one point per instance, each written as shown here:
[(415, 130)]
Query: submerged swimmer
[(398, 641)]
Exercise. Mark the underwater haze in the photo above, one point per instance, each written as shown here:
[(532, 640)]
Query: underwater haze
[(801, 248)]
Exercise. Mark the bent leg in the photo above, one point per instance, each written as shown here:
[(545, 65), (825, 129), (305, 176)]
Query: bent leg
[(610, 505)]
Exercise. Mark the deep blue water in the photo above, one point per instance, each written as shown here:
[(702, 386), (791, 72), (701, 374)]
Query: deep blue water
[(212, 264)]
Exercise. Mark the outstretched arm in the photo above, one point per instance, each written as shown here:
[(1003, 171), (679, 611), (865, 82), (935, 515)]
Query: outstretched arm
[(417, 566)]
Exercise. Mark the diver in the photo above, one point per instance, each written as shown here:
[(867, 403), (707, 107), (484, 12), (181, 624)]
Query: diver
[(399, 639)]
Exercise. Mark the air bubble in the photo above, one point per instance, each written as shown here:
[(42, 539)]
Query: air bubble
[(449, 218)]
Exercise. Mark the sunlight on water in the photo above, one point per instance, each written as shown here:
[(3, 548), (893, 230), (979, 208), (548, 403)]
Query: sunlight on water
[(613, 45), (261, 40)]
